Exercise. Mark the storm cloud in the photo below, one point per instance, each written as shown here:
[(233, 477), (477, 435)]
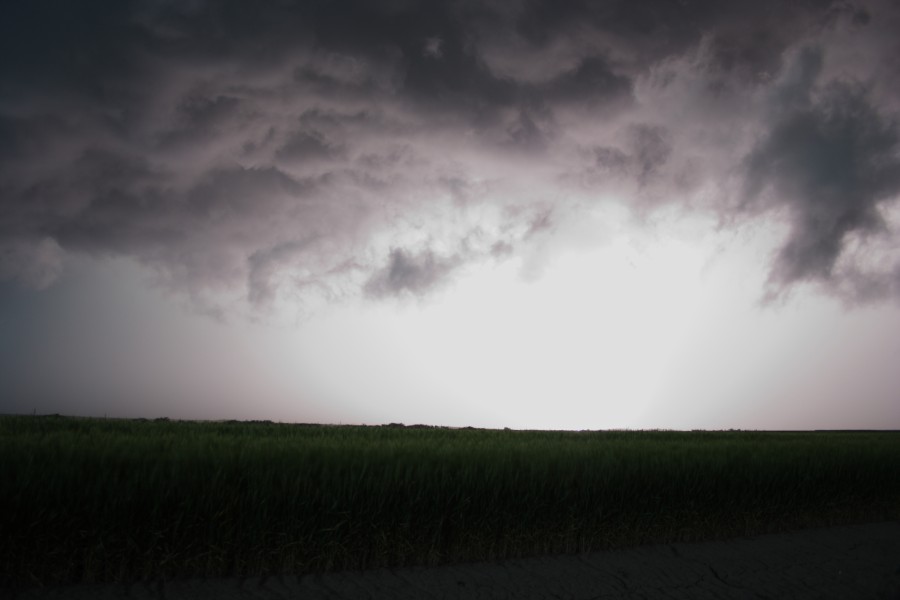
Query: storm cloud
[(247, 153), (833, 161)]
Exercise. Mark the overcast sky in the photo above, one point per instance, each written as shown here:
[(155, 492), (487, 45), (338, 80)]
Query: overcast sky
[(535, 214)]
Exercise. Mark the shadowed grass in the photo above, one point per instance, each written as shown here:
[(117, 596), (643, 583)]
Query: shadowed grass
[(93, 500)]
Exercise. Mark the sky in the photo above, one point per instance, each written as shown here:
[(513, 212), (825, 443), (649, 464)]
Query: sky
[(531, 214)]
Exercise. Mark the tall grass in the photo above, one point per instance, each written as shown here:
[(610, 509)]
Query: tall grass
[(90, 500)]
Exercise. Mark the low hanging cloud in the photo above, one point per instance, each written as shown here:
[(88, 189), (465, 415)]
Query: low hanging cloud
[(411, 273), (248, 154), (832, 160)]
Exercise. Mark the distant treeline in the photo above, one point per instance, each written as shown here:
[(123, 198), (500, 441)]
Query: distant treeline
[(100, 500)]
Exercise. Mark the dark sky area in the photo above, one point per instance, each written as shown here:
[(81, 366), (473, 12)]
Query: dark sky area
[(537, 214)]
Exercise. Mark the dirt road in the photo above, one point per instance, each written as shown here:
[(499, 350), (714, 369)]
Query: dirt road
[(855, 562)]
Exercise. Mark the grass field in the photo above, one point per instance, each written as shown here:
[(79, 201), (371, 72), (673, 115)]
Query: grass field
[(96, 500)]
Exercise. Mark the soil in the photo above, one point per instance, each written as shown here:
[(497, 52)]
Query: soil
[(854, 562)]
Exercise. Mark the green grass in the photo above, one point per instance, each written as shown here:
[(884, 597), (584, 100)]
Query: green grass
[(94, 500)]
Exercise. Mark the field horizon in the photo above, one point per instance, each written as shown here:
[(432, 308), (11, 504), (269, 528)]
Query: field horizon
[(115, 499), (432, 425)]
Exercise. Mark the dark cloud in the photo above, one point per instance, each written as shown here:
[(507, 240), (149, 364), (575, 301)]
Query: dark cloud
[(201, 120), (410, 273), (528, 133), (611, 160), (668, 25), (832, 159), (261, 151), (264, 266), (651, 150), (592, 84), (647, 149), (305, 146)]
